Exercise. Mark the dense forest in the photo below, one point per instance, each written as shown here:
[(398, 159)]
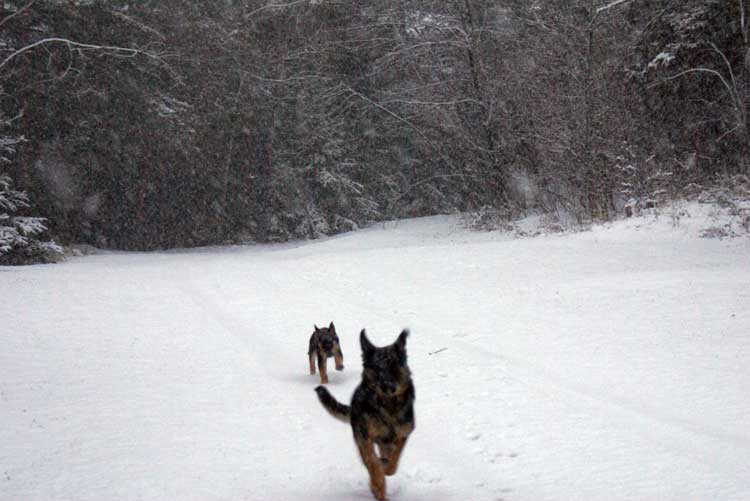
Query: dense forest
[(154, 124)]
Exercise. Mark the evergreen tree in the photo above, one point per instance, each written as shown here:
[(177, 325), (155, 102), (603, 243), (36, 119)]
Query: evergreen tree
[(19, 235)]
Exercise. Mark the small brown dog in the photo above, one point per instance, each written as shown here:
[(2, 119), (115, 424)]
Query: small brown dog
[(381, 412), (324, 343)]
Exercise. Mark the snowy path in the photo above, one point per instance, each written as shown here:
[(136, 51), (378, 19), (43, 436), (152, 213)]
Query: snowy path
[(611, 364)]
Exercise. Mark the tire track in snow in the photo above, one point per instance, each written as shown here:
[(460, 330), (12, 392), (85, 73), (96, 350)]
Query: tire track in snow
[(231, 326), (279, 415), (686, 433)]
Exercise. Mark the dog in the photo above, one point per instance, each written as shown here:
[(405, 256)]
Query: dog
[(381, 412), (324, 344)]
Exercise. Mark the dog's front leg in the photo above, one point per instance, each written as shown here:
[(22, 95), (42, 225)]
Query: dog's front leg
[(322, 367), (374, 467), (312, 356), (392, 455), (338, 357)]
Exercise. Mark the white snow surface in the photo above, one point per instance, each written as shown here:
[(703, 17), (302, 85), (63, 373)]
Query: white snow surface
[(607, 364)]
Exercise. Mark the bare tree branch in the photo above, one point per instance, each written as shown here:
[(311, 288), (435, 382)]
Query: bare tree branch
[(19, 11), (734, 92), (138, 24), (611, 5), (605, 8), (132, 52), (275, 6), (434, 103), (730, 90), (424, 181), (388, 111), (292, 78)]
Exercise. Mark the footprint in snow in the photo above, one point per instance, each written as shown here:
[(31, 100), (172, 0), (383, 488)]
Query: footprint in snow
[(425, 475)]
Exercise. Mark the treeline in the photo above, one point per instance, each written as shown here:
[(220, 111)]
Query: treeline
[(154, 124)]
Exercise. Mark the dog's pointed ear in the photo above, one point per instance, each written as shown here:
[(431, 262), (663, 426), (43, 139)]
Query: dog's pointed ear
[(316, 328), (332, 327), (367, 346), (401, 341)]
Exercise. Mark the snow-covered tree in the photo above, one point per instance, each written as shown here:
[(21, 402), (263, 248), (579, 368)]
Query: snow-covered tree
[(19, 235), (694, 66)]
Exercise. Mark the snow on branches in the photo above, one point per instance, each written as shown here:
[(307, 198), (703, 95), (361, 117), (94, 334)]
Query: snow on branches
[(18, 234)]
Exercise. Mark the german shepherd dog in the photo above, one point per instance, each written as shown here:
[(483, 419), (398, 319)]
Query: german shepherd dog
[(381, 412), (324, 344)]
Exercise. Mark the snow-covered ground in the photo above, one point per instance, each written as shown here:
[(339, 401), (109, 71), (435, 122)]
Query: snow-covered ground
[(608, 364)]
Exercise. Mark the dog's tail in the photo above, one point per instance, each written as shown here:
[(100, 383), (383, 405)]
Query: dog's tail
[(334, 408)]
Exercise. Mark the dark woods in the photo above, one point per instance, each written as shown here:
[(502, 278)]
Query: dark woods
[(154, 124)]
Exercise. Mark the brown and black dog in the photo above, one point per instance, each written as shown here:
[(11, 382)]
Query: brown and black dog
[(381, 412), (324, 344)]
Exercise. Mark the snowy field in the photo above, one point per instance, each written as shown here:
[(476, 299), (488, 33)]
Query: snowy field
[(608, 364)]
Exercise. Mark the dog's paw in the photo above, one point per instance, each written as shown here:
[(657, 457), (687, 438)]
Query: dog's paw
[(378, 491), (339, 367)]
